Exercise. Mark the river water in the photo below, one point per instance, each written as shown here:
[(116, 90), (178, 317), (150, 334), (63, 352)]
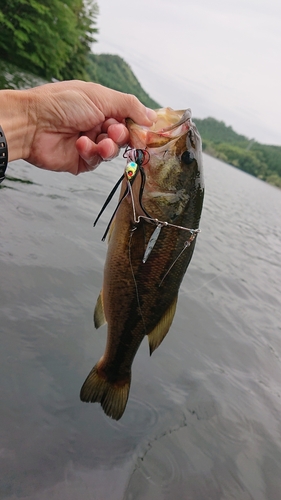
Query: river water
[(203, 421)]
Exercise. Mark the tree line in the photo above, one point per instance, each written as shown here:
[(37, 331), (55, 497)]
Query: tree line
[(221, 141), (112, 71), (51, 38)]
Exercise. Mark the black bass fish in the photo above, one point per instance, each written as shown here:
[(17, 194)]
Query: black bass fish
[(152, 236)]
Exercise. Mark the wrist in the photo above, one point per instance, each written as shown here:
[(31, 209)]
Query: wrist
[(15, 122)]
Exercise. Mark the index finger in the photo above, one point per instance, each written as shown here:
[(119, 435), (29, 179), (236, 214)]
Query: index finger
[(120, 106)]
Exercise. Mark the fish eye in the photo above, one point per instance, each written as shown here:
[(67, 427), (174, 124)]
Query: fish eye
[(131, 169), (187, 157)]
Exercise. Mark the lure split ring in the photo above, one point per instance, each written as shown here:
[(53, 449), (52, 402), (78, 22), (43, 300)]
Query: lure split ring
[(139, 156)]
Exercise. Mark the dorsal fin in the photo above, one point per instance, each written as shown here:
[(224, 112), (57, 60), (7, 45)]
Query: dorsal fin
[(160, 331), (99, 316)]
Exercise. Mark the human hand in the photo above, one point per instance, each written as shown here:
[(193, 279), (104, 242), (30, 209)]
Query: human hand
[(73, 126)]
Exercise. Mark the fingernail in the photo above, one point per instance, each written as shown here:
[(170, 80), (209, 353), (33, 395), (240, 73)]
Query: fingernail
[(151, 114), (111, 152), (94, 162)]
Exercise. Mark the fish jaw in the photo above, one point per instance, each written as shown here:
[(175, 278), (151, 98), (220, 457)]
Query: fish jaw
[(165, 142), (170, 124)]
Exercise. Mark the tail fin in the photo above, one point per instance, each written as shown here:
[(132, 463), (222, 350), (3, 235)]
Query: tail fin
[(112, 396)]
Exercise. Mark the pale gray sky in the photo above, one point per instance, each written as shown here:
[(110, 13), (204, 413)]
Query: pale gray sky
[(220, 58)]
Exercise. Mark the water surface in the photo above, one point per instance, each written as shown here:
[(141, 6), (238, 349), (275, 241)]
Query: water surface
[(203, 421)]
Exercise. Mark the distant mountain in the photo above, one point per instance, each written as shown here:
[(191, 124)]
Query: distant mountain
[(221, 141), (217, 131), (112, 71)]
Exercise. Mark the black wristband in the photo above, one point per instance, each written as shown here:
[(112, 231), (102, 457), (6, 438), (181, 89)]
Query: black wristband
[(3, 155)]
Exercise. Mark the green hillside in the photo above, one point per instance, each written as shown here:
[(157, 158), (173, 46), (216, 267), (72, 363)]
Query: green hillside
[(112, 71), (217, 131), (109, 70), (221, 141)]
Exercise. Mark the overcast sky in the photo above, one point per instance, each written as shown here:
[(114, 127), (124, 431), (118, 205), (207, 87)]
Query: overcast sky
[(221, 58)]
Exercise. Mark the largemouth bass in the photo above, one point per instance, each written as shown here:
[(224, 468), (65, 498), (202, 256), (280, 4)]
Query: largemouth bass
[(151, 241)]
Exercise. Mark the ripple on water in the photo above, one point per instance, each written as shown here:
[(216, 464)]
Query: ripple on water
[(25, 211), (138, 419), (160, 466)]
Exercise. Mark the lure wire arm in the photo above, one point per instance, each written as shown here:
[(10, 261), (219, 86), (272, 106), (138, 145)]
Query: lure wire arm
[(143, 179), (186, 245), (156, 233)]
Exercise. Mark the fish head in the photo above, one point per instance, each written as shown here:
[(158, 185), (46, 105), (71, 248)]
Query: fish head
[(172, 165)]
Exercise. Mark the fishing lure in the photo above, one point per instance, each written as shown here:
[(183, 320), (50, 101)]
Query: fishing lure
[(137, 159)]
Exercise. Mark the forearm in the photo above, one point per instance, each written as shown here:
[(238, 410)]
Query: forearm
[(16, 122)]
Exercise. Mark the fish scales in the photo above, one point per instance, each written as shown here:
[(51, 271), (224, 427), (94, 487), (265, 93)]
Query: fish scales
[(138, 298)]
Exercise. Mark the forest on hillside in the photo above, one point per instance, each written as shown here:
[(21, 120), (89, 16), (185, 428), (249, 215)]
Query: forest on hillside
[(112, 71), (221, 141), (51, 39), (54, 40)]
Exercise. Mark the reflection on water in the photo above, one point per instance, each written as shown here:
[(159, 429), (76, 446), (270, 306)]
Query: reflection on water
[(203, 417)]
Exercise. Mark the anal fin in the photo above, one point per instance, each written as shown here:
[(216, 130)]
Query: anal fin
[(156, 336)]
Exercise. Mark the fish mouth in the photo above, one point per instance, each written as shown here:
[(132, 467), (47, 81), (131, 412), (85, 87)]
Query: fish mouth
[(164, 134), (170, 124), (180, 117)]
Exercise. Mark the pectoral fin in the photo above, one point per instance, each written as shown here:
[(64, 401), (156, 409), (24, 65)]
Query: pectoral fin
[(99, 316), (160, 331)]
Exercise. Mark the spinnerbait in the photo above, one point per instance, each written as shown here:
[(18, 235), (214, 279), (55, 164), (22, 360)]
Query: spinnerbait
[(137, 158)]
